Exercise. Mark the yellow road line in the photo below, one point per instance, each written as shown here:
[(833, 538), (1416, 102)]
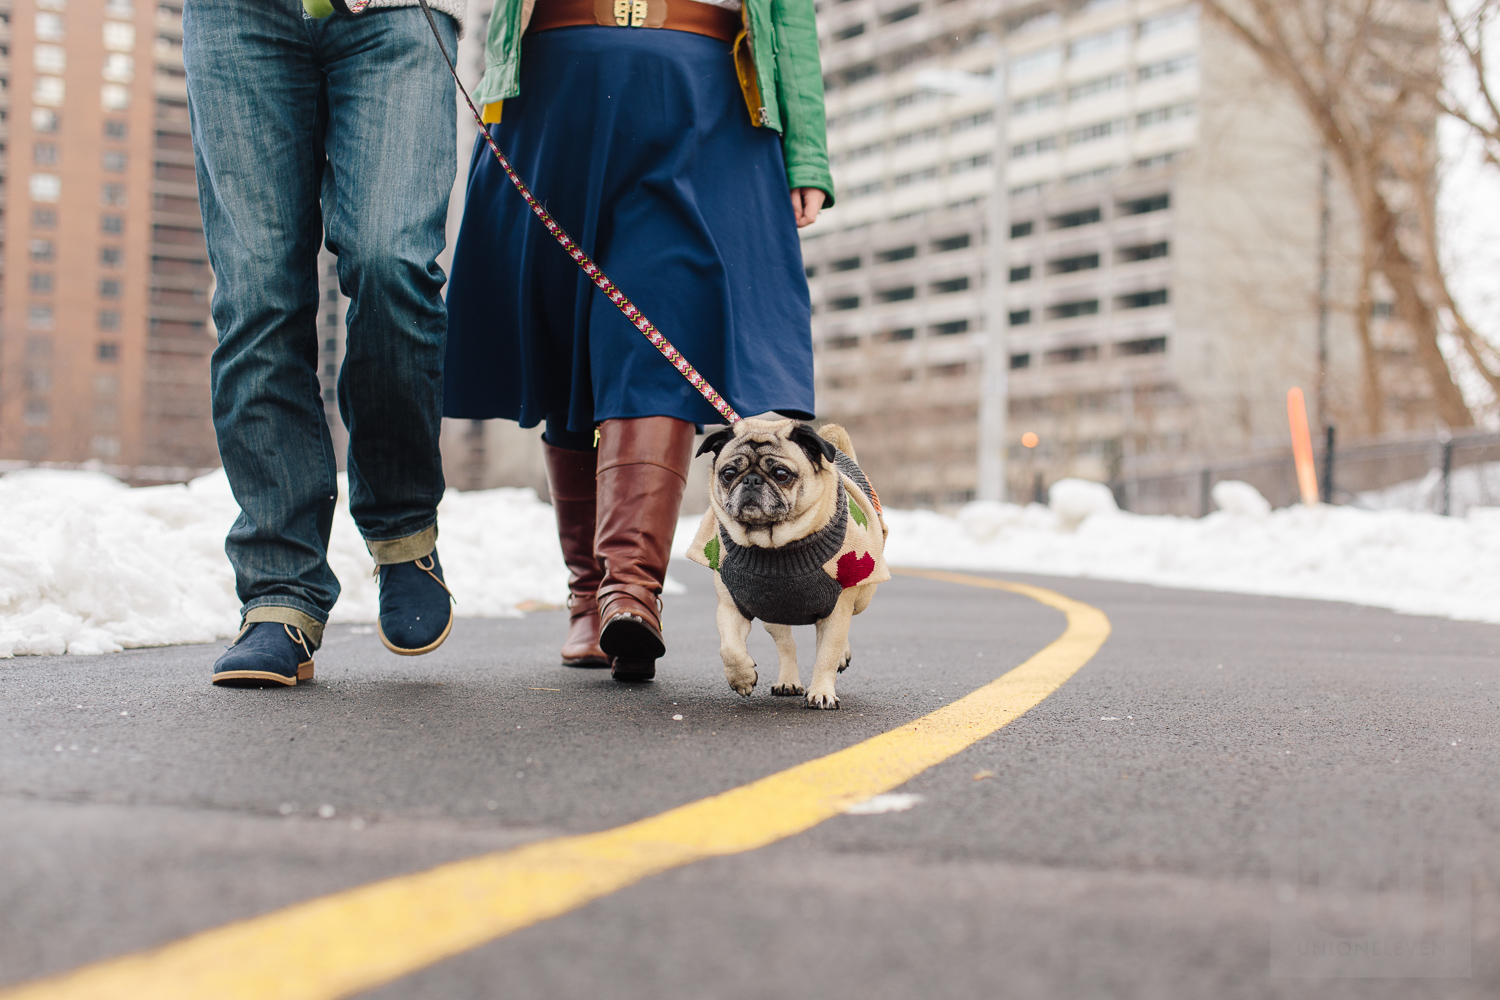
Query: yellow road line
[(361, 938)]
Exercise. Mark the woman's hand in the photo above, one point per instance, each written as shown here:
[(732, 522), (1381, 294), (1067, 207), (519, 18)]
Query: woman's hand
[(806, 202)]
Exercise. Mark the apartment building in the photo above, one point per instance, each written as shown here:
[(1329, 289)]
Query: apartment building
[(1159, 278), (104, 325)]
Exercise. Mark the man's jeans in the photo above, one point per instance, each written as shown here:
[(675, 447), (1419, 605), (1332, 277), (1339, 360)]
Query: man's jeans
[(300, 126)]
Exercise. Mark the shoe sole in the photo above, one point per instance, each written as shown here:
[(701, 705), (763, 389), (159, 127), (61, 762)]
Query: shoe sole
[(434, 644), (633, 671), (586, 662), (630, 639), (263, 678)]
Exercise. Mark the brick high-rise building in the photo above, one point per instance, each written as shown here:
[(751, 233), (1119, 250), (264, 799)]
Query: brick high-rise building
[(105, 331)]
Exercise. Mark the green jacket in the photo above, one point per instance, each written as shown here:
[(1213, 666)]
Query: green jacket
[(783, 38)]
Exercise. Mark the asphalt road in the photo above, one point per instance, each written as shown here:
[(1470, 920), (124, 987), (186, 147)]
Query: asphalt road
[(1237, 797)]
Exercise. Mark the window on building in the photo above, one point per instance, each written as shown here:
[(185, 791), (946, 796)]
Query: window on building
[(810, 270), (1096, 131), (112, 225), (950, 328), (845, 264), (843, 342), (1098, 85), (116, 130), (1033, 147), (38, 412), (968, 163), (106, 385), (1146, 345), (1072, 308), (1022, 273), (1168, 21), (919, 136), (1020, 361), (1167, 67), (1142, 300), (42, 251), (1142, 251), (950, 286), (852, 31), (114, 161), (916, 177), (1034, 103), (900, 334), (843, 303), (1067, 265), (1100, 41), (1020, 229), (111, 256), (899, 294), (39, 317), (951, 243), (112, 195), (41, 283), (1072, 220), (44, 154), (109, 288), (1140, 206), (1172, 112), (1382, 310), (109, 319), (43, 218), (951, 370), (109, 350), (901, 14), (1072, 355), (971, 121), (1020, 317), (864, 190), (49, 59), (44, 120), (896, 253)]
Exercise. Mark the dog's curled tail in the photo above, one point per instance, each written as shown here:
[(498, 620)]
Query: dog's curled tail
[(835, 435)]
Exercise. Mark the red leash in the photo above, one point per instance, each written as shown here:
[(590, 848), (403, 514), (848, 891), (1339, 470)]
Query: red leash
[(598, 277)]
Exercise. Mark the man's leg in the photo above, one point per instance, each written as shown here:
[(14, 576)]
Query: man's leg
[(391, 161), (254, 88)]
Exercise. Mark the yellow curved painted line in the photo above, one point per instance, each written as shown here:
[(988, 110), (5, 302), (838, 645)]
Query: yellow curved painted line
[(361, 938)]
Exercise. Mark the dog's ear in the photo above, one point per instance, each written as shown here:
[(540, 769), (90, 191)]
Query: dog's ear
[(715, 442), (816, 446)]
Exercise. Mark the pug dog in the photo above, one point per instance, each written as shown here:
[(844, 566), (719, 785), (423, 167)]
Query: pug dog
[(795, 536)]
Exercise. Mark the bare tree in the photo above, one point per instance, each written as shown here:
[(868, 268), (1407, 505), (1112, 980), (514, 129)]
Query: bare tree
[(1363, 72), (1469, 95)]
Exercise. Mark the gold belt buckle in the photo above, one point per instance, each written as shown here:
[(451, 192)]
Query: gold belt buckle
[(631, 13)]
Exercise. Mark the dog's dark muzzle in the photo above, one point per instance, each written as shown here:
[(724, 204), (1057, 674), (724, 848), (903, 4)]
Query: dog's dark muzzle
[(755, 501)]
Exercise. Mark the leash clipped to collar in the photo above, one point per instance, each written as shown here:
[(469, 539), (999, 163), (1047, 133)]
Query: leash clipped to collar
[(599, 278)]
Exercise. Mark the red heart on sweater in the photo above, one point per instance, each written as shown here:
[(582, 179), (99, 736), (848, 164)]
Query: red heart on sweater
[(853, 568)]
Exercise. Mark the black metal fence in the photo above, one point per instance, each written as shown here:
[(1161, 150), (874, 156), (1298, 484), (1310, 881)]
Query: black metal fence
[(1445, 475)]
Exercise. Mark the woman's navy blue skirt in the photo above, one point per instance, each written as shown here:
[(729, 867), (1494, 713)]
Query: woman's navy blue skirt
[(638, 143)]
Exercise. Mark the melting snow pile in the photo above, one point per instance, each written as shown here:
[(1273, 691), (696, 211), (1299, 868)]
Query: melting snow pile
[(1405, 560), (88, 565)]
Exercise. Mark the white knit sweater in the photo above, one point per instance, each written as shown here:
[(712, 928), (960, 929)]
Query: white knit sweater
[(453, 8)]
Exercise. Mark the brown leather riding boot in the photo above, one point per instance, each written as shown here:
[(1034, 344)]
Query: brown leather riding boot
[(643, 466), (570, 479)]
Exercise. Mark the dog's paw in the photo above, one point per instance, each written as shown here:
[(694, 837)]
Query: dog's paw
[(815, 700), (742, 684), (787, 689)]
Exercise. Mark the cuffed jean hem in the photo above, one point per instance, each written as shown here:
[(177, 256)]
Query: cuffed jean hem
[(295, 617), (389, 551)]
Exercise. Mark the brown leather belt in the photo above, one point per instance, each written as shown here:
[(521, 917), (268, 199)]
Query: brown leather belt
[(675, 15)]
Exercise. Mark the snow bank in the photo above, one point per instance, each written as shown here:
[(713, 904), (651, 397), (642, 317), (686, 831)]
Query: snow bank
[(88, 565), (1404, 560)]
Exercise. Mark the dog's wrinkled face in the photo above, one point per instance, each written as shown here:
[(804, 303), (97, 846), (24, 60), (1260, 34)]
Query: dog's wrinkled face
[(768, 473)]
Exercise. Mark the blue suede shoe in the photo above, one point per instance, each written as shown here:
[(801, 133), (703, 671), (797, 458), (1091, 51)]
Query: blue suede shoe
[(265, 654), (416, 606)]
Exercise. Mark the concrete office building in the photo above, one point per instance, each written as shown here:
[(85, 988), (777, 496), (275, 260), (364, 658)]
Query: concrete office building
[(104, 324), (1160, 268)]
